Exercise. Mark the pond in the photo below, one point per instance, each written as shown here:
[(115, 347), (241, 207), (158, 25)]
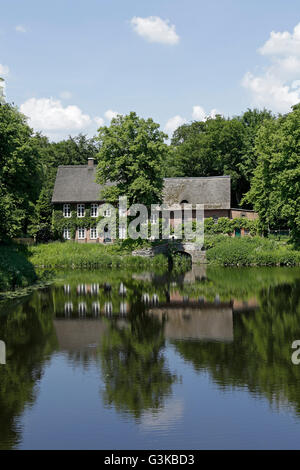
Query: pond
[(124, 360)]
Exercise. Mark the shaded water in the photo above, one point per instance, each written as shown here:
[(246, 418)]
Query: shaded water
[(120, 360)]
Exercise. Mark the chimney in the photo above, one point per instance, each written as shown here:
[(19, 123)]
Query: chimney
[(90, 162)]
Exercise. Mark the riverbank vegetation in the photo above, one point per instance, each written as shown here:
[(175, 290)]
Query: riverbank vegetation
[(76, 255), (250, 251), (15, 269)]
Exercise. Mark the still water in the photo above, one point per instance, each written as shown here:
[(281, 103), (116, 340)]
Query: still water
[(122, 360)]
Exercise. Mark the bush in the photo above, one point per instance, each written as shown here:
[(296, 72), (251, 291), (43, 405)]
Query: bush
[(86, 255), (251, 251), (15, 270)]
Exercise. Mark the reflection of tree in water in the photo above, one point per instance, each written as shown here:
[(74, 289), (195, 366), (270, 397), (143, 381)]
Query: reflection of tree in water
[(260, 355), (28, 333), (133, 366)]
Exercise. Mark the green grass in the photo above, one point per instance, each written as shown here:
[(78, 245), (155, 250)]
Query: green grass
[(92, 256), (15, 269), (248, 251)]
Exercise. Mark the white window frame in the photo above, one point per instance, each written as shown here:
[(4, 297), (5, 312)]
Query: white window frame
[(94, 210), (67, 210), (107, 213), (80, 210), (67, 233), (80, 237), (93, 230)]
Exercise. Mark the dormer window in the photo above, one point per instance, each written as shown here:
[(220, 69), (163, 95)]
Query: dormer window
[(67, 210), (80, 210), (94, 210)]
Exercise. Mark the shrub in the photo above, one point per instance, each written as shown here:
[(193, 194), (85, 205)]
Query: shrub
[(15, 269), (251, 251)]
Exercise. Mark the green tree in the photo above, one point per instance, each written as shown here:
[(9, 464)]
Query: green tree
[(218, 147), (210, 148), (132, 152), (252, 120), (20, 172), (275, 188)]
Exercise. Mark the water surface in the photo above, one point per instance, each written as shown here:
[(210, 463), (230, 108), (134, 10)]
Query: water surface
[(121, 360)]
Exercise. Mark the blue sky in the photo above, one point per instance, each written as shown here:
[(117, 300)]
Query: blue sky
[(71, 64)]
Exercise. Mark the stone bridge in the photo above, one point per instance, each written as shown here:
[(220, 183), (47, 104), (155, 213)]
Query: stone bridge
[(173, 247)]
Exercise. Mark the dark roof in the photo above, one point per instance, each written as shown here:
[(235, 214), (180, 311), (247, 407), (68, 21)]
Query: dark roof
[(212, 191), (76, 183)]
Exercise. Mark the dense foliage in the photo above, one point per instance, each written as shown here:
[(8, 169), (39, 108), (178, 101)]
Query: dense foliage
[(251, 251), (218, 146), (15, 269), (20, 172), (275, 189), (132, 154)]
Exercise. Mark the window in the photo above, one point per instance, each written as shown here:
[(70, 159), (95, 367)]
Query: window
[(67, 234), (107, 213), (215, 218), (81, 233), (153, 219), (82, 308), (67, 210), (80, 210), (93, 233), (122, 232), (94, 210)]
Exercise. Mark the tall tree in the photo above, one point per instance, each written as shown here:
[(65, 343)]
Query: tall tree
[(275, 187), (210, 148), (20, 171), (132, 152)]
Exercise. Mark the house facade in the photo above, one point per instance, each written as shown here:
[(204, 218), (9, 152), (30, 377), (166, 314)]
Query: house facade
[(76, 198)]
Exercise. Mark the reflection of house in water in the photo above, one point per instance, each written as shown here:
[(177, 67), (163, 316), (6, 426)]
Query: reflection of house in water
[(81, 335), (205, 322), (198, 319)]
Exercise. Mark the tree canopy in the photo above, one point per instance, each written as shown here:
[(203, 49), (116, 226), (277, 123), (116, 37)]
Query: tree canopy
[(132, 153), (275, 188), (20, 171)]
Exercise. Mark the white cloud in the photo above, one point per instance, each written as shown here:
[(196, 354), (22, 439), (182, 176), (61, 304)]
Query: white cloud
[(284, 44), (154, 29), (20, 29), (65, 95), (4, 70), (110, 114), (99, 121), (173, 123), (49, 115), (275, 87), (199, 113)]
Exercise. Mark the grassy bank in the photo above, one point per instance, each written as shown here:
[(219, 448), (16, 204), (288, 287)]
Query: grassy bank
[(92, 256), (248, 251), (15, 269)]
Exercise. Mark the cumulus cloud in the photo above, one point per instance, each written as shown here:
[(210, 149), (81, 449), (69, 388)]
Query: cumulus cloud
[(277, 87), (198, 114), (154, 29), (20, 29), (99, 121), (51, 117), (110, 114), (173, 123)]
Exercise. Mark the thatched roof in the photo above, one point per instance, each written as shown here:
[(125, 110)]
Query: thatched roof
[(76, 183)]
